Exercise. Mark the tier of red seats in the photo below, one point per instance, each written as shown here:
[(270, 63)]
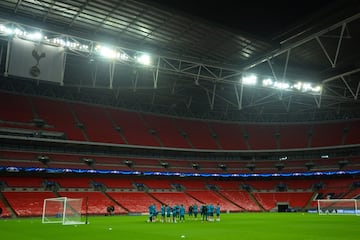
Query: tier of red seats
[(133, 128), (115, 182), (72, 182), (198, 133), (335, 188), (156, 183), (263, 185), (15, 108), (98, 125), (352, 133), (26, 194), (83, 122), (242, 199), (225, 184), (304, 184), (229, 136), (27, 204), (167, 131), (58, 116), (76, 161), (354, 193), (95, 202), (261, 136), (321, 132), (190, 184), (268, 200), (293, 136), (26, 182)]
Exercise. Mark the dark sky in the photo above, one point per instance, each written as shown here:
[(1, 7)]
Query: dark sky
[(261, 18)]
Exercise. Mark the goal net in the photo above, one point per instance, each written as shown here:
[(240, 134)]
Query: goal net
[(62, 210), (338, 206)]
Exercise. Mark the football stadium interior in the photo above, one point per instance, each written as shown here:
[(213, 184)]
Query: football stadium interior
[(133, 102)]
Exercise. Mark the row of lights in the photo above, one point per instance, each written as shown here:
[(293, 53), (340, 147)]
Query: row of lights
[(252, 79), (104, 51), (145, 59), (323, 156)]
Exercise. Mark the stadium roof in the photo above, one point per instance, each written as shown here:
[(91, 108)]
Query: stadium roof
[(306, 58)]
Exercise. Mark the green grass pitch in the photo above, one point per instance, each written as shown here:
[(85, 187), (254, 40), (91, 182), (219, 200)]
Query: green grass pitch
[(254, 226)]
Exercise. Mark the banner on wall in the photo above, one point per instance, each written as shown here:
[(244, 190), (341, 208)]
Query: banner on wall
[(35, 60)]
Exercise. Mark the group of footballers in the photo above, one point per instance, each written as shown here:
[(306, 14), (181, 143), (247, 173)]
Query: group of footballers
[(176, 213)]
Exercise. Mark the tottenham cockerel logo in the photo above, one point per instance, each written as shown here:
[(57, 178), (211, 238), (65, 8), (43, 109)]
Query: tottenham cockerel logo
[(37, 55)]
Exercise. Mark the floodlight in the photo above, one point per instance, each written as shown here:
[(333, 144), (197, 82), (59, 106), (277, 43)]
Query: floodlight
[(144, 59), (108, 52), (6, 30), (282, 85), (298, 86), (316, 88), (267, 82), (35, 36), (18, 32), (249, 79), (306, 87), (123, 56)]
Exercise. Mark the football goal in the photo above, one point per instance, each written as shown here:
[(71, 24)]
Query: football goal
[(62, 210), (338, 206)]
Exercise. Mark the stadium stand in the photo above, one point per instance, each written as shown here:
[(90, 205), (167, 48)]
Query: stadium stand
[(225, 184), (229, 136), (17, 114), (22, 182), (58, 117), (296, 200), (334, 133), (241, 198), (352, 136), (27, 204), (115, 183), (293, 136), (186, 129), (157, 183), (133, 128), (261, 136), (97, 202), (167, 131), (94, 118), (197, 133)]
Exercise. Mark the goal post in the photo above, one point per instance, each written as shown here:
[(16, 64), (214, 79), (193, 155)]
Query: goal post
[(338, 207), (62, 210)]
